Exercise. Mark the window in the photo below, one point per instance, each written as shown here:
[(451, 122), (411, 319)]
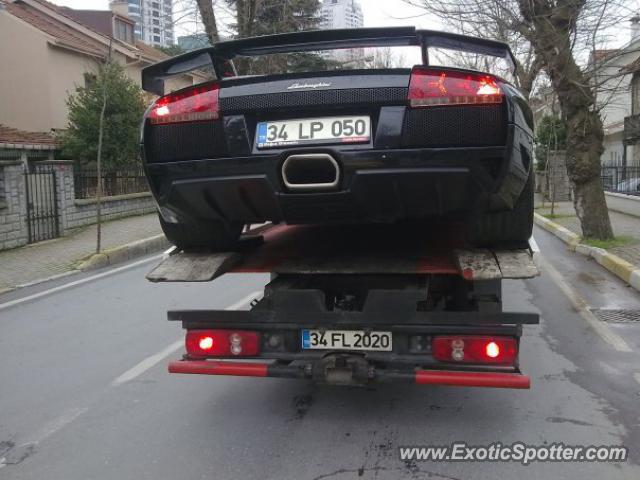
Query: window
[(123, 31), (155, 14), (156, 38), (156, 30), (156, 22)]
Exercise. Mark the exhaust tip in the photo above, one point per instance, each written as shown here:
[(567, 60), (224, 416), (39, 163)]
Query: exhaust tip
[(310, 171)]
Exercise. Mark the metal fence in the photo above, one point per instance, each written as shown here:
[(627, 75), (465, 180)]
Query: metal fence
[(114, 182), (42, 218), (621, 179)]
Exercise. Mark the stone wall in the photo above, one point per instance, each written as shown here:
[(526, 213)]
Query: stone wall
[(13, 205), (620, 202), (72, 212), (554, 183), (76, 213)]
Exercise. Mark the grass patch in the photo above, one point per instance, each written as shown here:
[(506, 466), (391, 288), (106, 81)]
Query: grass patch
[(620, 241), (552, 216)]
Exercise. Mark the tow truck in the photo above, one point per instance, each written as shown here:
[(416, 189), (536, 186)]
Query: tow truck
[(359, 305)]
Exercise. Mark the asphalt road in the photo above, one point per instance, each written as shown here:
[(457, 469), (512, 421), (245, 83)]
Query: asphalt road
[(84, 392)]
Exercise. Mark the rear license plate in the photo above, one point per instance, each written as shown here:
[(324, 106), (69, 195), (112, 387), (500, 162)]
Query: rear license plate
[(346, 340), (313, 131)]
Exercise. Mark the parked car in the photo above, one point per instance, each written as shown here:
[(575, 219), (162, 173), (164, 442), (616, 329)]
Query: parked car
[(347, 145)]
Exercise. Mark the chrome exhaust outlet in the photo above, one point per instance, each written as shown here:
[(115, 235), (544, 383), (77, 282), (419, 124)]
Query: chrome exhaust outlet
[(310, 171)]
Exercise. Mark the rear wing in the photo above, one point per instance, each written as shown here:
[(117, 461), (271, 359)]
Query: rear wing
[(220, 55)]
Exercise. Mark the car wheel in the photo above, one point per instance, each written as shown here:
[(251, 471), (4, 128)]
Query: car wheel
[(213, 235), (510, 228)]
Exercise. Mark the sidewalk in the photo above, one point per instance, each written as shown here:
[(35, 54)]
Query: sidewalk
[(623, 225), (53, 257)]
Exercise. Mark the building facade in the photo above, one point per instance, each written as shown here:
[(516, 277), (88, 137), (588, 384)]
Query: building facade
[(193, 42), (342, 14), (153, 20), (617, 76), (54, 47)]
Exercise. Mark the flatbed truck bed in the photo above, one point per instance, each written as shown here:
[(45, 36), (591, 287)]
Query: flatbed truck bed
[(359, 305)]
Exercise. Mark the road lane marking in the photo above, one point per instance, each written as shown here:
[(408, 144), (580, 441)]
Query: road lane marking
[(82, 281), (156, 358), (535, 252), (21, 452), (580, 304)]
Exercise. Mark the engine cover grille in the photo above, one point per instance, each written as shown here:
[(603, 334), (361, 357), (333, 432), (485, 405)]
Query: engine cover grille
[(356, 96), (184, 141), (455, 126)]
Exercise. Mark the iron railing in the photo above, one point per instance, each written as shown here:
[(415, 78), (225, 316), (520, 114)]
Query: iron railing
[(114, 182), (621, 179)]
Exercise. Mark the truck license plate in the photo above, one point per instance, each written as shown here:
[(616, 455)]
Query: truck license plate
[(352, 129), (346, 340)]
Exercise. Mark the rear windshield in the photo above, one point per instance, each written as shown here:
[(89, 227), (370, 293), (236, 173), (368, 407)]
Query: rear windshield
[(367, 58), (327, 60)]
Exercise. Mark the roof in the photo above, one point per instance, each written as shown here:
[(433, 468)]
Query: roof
[(150, 52), (631, 67), (89, 37), (601, 55), (55, 28), (98, 20), (15, 138)]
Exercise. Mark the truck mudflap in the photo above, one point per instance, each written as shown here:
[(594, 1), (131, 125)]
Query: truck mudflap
[(353, 374)]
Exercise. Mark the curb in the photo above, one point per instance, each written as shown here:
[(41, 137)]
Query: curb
[(124, 253), (624, 270)]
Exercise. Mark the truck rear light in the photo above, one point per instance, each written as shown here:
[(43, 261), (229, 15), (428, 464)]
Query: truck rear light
[(222, 343), (429, 87), (188, 105), (475, 349)]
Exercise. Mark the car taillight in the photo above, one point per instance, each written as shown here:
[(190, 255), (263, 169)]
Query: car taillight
[(189, 105), (474, 349), (222, 343), (429, 87)]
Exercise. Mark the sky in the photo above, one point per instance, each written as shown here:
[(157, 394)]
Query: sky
[(376, 13)]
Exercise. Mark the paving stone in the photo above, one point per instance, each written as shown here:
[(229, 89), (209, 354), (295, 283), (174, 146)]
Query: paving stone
[(622, 224), (45, 259)]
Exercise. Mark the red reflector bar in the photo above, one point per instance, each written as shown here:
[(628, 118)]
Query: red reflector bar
[(429, 87), (473, 379), (189, 105), (204, 367)]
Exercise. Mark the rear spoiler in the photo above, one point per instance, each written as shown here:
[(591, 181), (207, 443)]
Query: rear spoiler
[(220, 54)]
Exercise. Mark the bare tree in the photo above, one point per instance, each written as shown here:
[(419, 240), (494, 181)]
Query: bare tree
[(493, 19), (551, 27), (384, 57), (555, 36), (205, 7), (105, 79)]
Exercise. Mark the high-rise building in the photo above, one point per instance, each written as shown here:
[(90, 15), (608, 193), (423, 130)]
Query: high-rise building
[(154, 19), (341, 14)]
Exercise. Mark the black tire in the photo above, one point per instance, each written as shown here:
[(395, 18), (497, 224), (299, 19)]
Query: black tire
[(509, 228), (211, 235)]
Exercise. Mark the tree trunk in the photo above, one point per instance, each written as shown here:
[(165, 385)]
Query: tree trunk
[(208, 19), (550, 34)]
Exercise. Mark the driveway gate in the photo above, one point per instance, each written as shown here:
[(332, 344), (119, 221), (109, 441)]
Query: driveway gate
[(42, 205)]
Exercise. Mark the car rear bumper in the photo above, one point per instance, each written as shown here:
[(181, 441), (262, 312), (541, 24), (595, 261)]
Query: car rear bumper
[(374, 186)]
